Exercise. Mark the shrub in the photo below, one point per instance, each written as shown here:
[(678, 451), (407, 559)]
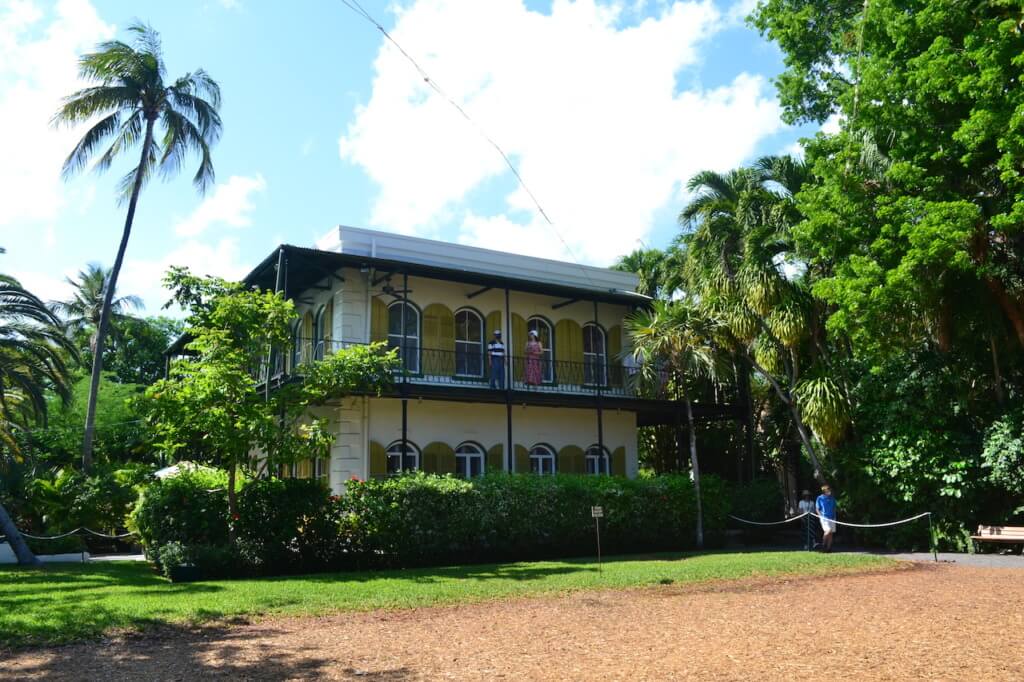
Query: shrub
[(210, 562), (287, 526), (190, 508)]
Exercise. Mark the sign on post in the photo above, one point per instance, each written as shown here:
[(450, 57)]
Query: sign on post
[(598, 513)]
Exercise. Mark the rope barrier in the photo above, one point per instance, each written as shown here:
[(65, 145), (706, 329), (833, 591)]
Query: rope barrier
[(770, 523), (874, 525), (72, 532)]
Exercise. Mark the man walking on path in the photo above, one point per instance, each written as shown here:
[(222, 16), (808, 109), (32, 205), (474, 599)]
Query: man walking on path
[(806, 506), (496, 355), (826, 506)]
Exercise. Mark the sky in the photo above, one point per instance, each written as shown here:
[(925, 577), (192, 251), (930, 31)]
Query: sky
[(606, 108)]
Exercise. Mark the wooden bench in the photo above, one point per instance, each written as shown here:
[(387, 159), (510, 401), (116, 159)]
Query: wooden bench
[(1004, 534)]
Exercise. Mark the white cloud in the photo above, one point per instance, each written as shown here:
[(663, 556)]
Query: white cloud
[(588, 109), (741, 9), (38, 66), (230, 4), (230, 204), (832, 124)]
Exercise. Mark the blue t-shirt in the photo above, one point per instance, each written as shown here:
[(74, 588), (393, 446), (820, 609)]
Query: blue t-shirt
[(826, 505)]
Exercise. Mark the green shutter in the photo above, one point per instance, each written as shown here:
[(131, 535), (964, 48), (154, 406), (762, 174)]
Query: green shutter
[(522, 460), (496, 459), (517, 346), (495, 321), (438, 343), (438, 458), (328, 328), (307, 337), (614, 350), (619, 462), (570, 460), (378, 460), (378, 320)]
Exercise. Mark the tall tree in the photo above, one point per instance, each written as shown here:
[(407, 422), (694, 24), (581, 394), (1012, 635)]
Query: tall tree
[(132, 100), (651, 266), (676, 337), (84, 310), (31, 364)]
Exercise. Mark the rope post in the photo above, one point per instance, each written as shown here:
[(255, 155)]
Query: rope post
[(931, 538)]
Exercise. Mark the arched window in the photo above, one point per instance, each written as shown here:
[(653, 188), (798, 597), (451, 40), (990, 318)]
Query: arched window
[(321, 468), (547, 341), (595, 359), (598, 460), (410, 354), (318, 334), (296, 344), (401, 459), (542, 460), (469, 343), (469, 460)]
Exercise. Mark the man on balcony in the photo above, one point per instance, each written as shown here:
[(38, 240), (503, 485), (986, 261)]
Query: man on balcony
[(496, 357)]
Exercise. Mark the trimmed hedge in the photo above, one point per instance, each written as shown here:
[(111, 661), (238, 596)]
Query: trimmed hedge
[(290, 525)]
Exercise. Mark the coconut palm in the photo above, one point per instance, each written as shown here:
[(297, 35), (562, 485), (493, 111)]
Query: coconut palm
[(82, 312), (137, 106), (649, 265), (676, 336), (31, 364)]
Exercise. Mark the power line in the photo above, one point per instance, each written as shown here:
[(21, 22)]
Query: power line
[(358, 9)]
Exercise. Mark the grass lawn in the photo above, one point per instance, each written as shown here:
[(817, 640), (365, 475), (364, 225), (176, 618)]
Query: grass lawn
[(64, 602)]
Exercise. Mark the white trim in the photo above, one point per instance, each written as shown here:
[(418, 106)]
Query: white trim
[(543, 454)]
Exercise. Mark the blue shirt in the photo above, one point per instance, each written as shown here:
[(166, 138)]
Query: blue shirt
[(826, 505)]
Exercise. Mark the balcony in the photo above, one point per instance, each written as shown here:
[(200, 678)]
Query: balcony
[(597, 375)]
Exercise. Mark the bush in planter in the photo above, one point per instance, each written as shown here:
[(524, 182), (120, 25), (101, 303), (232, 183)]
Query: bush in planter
[(288, 525), (190, 508)]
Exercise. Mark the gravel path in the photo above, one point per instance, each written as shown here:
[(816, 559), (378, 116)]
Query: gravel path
[(979, 560), (939, 621)]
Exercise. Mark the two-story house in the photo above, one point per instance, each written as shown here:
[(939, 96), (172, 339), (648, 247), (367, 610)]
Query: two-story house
[(564, 405)]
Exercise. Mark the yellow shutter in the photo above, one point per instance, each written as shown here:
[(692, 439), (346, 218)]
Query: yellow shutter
[(307, 337), (570, 460), (496, 458), (378, 320), (619, 462), (328, 328), (430, 458), (522, 460), (517, 346), (568, 349), (614, 362), (438, 343), (494, 321), (378, 460)]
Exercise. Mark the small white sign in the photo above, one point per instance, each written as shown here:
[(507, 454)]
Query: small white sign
[(597, 512)]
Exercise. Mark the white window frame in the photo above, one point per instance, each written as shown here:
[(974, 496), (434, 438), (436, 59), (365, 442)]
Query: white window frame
[(595, 359), (547, 366), (410, 355), (469, 348), (318, 333), (321, 468), (596, 459), (470, 451), (395, 450), (541, 454)]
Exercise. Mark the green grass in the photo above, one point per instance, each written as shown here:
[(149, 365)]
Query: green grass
[(65, 602)]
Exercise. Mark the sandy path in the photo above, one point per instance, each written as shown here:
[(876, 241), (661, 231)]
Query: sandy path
[(935, 622)]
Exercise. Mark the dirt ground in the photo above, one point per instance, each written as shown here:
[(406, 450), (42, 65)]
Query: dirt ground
[(928, 621)]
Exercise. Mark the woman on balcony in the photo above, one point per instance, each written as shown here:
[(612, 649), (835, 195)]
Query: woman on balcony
[(534, 353)]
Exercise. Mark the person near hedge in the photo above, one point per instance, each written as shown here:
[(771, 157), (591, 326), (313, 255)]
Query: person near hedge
[(826, 506), (806, 506), (534, 352), (496, 356)]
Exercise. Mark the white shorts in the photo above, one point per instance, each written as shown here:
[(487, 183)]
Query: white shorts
[(828, 525)]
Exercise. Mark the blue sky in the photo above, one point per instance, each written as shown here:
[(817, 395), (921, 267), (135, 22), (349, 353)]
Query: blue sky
[(607, 108)]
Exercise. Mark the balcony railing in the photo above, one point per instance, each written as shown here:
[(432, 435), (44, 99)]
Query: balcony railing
[(472, 369)]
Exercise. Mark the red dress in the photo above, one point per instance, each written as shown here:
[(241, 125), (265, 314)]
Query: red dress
[(534, 353)]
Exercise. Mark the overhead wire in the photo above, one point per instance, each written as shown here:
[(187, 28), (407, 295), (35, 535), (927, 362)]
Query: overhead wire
[(361, 11)]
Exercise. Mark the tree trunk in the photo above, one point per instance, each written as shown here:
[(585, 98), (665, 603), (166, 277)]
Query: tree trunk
[(232, 505), (21, 550), (695, 467), (108, 298)]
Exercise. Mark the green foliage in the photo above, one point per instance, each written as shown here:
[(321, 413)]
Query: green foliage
[(1003, 455), (190, 508), (421, 519), (210, 561), (758, 500), (137, 356), (289, 526), (100, 501)]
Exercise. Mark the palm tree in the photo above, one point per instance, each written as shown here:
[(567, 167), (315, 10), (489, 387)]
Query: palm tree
[(678, 336), (31, 363), (650, 267), (82, 312), (132, 100)]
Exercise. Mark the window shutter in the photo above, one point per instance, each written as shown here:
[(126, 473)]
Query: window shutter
[(378, 320), (517, 346), (522, 460), (328, 328), (438, 344), (619, 462), (307, 337), (568, 348), (494, 321), (430, 456), (570, 460), (378, 460), (438, 458), (614, 349), (496, 459)]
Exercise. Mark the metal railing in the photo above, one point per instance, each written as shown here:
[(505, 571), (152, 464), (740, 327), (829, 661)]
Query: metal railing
[(471, 368)]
